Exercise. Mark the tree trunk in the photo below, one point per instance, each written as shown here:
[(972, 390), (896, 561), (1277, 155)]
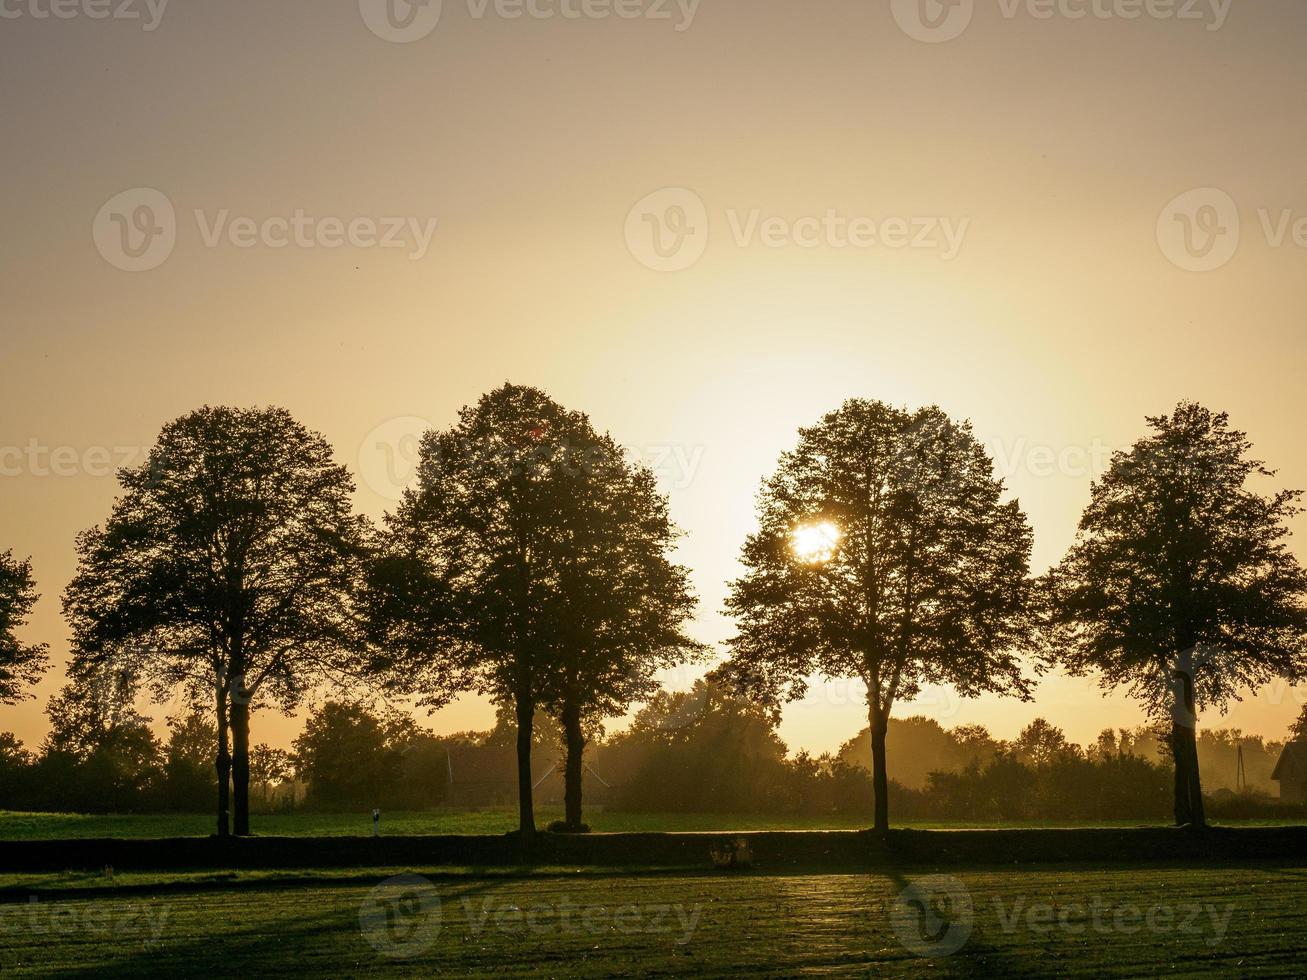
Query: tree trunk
[(1179, 754), (572, 775), (1184, 744), (223, 766), (240, 762), (879, 772), (1194, 811), (525, 789)]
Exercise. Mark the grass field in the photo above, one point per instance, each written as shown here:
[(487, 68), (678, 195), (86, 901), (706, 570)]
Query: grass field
[(1041, 921), (66, 826)]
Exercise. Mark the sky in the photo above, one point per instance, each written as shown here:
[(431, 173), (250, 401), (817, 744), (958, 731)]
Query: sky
[(705, 224)]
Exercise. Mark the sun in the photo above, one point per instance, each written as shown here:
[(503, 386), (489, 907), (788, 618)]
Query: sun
[(815, 544)]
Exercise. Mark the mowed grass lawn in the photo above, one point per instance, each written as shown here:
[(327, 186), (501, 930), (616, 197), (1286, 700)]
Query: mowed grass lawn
[(67, 826), (1037, 921)]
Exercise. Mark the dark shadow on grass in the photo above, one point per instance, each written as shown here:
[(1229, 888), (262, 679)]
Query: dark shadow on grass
[(280, 946), (272, 881)]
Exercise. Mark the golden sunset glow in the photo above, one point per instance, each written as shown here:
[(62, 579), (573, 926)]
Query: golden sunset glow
[(815, 544), (882, 218)]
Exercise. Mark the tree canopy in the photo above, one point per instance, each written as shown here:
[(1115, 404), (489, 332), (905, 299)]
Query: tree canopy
[(228, 567), (21, 664), (529, 563), (624, 602), (885, 554), (1180, 585)]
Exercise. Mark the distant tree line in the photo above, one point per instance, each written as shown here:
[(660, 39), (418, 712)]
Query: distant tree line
[(532, 562), (689, 752)]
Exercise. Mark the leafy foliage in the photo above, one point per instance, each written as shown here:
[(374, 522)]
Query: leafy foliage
[(21, 664), (229, 564), (1298, 730), (349, 756), (529, 563), (926, 584), (1177, 552), (232, 553)]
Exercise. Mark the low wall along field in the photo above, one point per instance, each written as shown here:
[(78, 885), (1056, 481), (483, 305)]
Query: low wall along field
[(837, 850)]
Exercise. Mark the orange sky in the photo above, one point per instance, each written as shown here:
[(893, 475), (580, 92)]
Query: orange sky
[(1000, 222)]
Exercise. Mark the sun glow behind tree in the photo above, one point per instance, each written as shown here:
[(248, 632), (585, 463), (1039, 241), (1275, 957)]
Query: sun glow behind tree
[(815, 544)]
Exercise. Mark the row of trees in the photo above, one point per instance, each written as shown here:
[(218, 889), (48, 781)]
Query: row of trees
[(1180, 584), (729, 759), (684, 752), (531, 562)]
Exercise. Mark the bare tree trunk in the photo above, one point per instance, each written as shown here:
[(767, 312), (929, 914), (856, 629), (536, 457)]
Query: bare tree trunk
[(223, 766), (1197, 812), (525, 789), (879, 771), (572, 775), (240, 732), (1179, 753), (1189, 807)]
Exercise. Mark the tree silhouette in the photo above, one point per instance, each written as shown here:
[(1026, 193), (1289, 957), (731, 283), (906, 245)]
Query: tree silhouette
[(1040, 743), (915, 573), (350, 756), (623, 602), (95, 724), (227, 568), (529, 563), (1180, 583), (93, 710), (21, 664), (1298, 730), (701, 750)]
